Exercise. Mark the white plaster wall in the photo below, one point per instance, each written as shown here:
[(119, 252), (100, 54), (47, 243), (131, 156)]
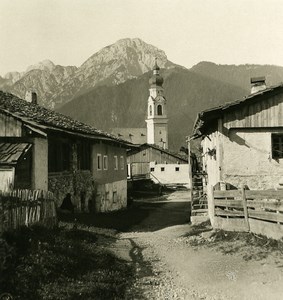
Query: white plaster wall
[(170, 175), (247, 159), (211, 164), (104, 198), (150, 131), (40, 164)]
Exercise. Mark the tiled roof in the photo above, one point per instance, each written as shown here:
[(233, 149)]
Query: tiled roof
[(133, 135), (35, 114), (169, 152), (11, 153), (208, 115)]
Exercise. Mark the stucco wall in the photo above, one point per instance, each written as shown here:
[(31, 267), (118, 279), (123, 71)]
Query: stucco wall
[(170, 175), (110, 175), (111, 196), (40, 164), (211, 160), (247, 159)]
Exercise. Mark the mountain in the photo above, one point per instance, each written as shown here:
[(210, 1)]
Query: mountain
[(125, 105), (46, 81), (112, 65), (239, 75)]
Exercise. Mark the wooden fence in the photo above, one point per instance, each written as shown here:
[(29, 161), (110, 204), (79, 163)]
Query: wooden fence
[(26, 207), (260, 212)]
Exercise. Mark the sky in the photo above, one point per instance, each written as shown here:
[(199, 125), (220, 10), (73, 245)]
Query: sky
[(189, 31)]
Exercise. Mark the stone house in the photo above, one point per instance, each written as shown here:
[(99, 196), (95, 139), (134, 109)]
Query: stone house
[(242, 141), (42, 149)]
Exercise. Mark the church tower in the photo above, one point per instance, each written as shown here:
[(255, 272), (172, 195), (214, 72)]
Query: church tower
[(157, 122)]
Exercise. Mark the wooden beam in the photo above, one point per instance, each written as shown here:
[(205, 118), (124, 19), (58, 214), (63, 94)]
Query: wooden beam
[(245, 208)]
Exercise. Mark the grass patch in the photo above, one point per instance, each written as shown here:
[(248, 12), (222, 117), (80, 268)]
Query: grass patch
[(62, 264)]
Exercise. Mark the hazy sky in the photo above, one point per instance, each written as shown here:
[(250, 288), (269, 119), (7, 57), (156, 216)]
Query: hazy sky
[(69, 31)]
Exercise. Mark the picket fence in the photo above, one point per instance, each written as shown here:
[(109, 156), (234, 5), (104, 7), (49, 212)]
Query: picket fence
[(25, 208), (255, 211)]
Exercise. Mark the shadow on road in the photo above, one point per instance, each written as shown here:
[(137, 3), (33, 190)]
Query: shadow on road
[(140, 217)]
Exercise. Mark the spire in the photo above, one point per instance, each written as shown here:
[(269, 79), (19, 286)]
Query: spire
[(156, 79), (156, 67)]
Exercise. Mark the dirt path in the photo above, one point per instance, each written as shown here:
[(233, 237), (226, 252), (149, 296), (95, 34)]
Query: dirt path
[(171, 265), (172, 261), (181, 271)]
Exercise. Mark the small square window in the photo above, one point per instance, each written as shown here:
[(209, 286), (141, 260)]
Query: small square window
[(151, 169), (105, 162), (162, 169), (99, 167), (177, 169), (115, 162)]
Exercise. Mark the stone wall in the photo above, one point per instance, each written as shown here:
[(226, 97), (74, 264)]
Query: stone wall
[(111, 196), (79, 185), (247, 159), (242, 157)]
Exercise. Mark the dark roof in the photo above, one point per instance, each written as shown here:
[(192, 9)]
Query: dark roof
[(44, 118), (10, 153), (169, 152), (205, 117)]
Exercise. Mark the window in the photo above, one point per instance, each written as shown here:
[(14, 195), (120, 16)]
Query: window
[(84, 156), (105, 162), (177, 169), (162, 169), (122, 162), (277, 145), (99, 166), (151, 169), (115, 162), (114, 197), (150, 110), (159, 110)]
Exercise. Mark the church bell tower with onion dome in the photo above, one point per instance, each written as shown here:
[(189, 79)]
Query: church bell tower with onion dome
[(157, 122)]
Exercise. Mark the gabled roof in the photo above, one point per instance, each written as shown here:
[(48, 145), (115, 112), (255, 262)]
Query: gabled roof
[(46, 119), (205, 117), (169, 152)]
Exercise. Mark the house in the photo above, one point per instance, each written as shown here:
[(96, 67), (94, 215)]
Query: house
[(242, 141), (42, 149), (161, 165), (153, 159)]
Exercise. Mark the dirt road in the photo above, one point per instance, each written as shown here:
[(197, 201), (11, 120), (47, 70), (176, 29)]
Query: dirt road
[(173, 260)]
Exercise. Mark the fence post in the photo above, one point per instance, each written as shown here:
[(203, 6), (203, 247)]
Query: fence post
[(210, 204), (245, 208)]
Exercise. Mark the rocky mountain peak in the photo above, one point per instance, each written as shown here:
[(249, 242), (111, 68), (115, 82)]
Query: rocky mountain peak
[(46, 65), (114, 64)]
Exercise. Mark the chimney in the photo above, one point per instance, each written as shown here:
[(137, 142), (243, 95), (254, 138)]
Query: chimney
[(31, 97), (257, 84)]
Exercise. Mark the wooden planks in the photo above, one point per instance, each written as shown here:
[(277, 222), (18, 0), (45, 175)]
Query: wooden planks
[(247, 205), (26, 207)]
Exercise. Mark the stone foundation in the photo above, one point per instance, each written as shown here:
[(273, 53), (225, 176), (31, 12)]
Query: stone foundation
[(79, 185), (111, 196)]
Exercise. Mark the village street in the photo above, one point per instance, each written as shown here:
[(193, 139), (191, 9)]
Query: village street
[(174, 260)]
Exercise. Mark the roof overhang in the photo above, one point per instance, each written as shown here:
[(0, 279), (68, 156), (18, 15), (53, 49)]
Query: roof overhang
[(11, 153), (205, 118)]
